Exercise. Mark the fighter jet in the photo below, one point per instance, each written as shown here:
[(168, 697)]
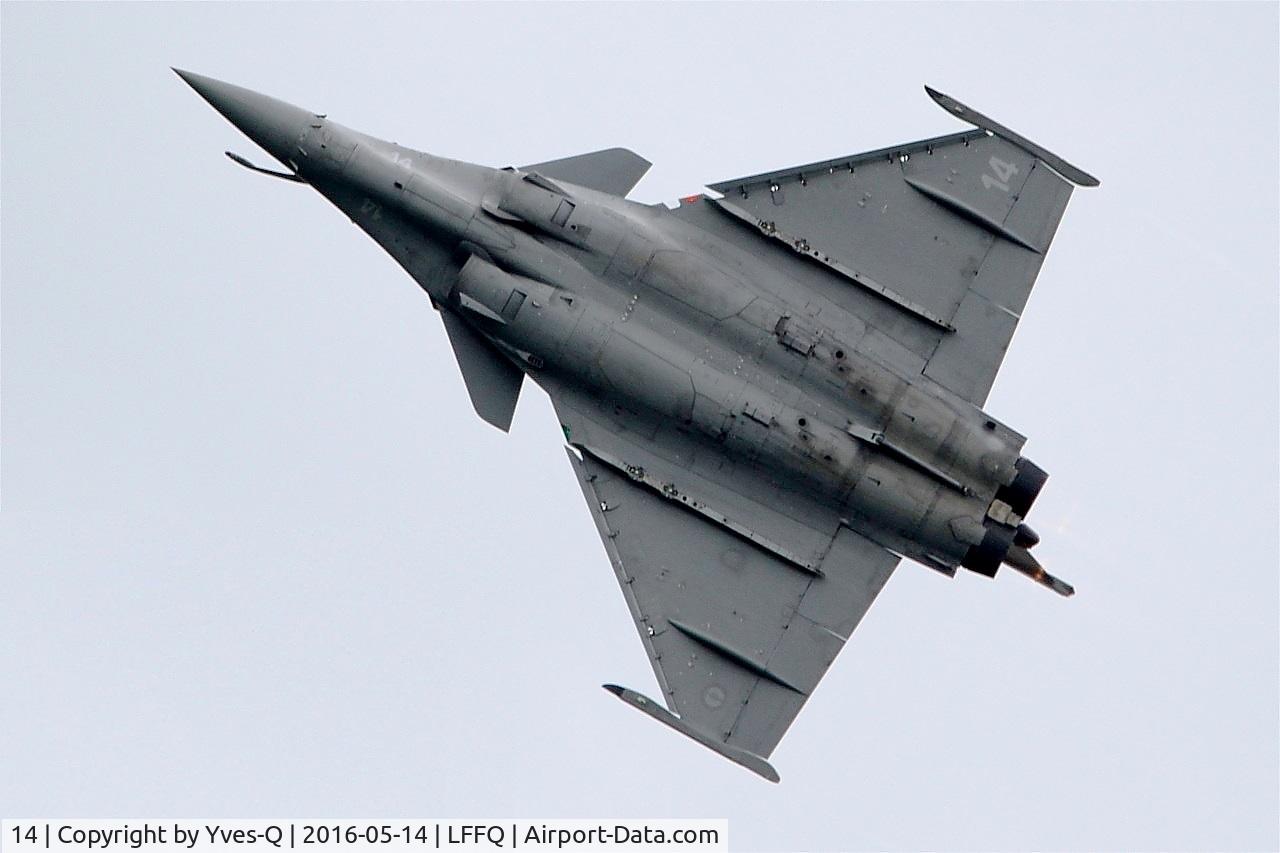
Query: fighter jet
[(770, 394)]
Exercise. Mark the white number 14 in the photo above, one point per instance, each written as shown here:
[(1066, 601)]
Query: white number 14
[(1004, 171)]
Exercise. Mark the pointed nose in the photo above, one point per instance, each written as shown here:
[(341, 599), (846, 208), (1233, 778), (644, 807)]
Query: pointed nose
[(271, 123)]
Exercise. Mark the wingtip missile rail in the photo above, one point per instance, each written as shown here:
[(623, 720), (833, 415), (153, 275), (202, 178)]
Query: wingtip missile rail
[(965, 113), (749, 760)]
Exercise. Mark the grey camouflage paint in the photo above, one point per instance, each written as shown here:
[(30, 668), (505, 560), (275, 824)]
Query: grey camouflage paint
[(769, 397)]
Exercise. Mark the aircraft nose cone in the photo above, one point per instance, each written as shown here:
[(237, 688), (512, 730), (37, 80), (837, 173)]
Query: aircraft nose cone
[(271, 123)]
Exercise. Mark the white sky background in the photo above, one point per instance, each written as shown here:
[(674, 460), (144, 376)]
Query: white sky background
[(260, 558)]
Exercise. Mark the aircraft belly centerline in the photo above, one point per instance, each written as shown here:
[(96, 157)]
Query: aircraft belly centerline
[(813, 373), (804, 448)]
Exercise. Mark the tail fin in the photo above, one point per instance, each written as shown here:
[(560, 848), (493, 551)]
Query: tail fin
[(614, 170)]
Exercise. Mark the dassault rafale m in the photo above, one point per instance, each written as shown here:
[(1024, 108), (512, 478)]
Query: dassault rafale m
[(769, 394)]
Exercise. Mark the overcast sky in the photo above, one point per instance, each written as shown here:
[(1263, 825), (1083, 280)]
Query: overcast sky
[(260, 558)]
